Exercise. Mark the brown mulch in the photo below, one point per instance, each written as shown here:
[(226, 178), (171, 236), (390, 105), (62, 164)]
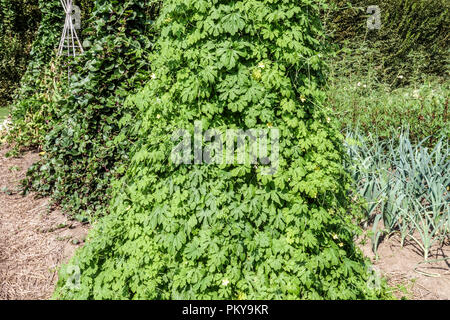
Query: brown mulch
[(34, 240)]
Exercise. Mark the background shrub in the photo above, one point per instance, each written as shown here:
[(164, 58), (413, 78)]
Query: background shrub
[(82, 154), (43, 81), (19, 20)]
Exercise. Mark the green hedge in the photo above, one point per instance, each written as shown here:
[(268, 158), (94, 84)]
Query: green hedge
[(43, 81), (413, 40)]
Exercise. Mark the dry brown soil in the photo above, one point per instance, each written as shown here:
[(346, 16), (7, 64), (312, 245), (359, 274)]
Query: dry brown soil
[(34, 240)]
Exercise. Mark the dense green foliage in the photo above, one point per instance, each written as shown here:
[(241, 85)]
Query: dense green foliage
[(47, 38), (413, 40), (30, 107), (81, 153), (3, 113), (392, 87), (19, 21), (206, 231), (43, 83), (228, 231)]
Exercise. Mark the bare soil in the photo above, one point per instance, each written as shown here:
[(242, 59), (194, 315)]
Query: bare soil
[(34, 240), (406, 271)]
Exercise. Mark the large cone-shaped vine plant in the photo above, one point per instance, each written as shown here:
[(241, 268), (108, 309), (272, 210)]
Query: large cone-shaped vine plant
[(227, 231)]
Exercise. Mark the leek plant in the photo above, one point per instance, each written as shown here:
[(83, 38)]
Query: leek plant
[(405, 186)]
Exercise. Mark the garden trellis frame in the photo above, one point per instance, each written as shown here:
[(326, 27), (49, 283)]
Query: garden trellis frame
[(69, 39)]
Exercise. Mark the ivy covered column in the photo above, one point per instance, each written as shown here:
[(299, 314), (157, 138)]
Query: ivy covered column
[(19, 20), (82, 154)]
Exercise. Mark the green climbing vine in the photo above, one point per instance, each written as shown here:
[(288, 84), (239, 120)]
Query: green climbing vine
[(228, 231), (31, 107)]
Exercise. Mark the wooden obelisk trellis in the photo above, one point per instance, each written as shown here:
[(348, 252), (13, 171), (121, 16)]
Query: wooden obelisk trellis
[(69, 39)]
